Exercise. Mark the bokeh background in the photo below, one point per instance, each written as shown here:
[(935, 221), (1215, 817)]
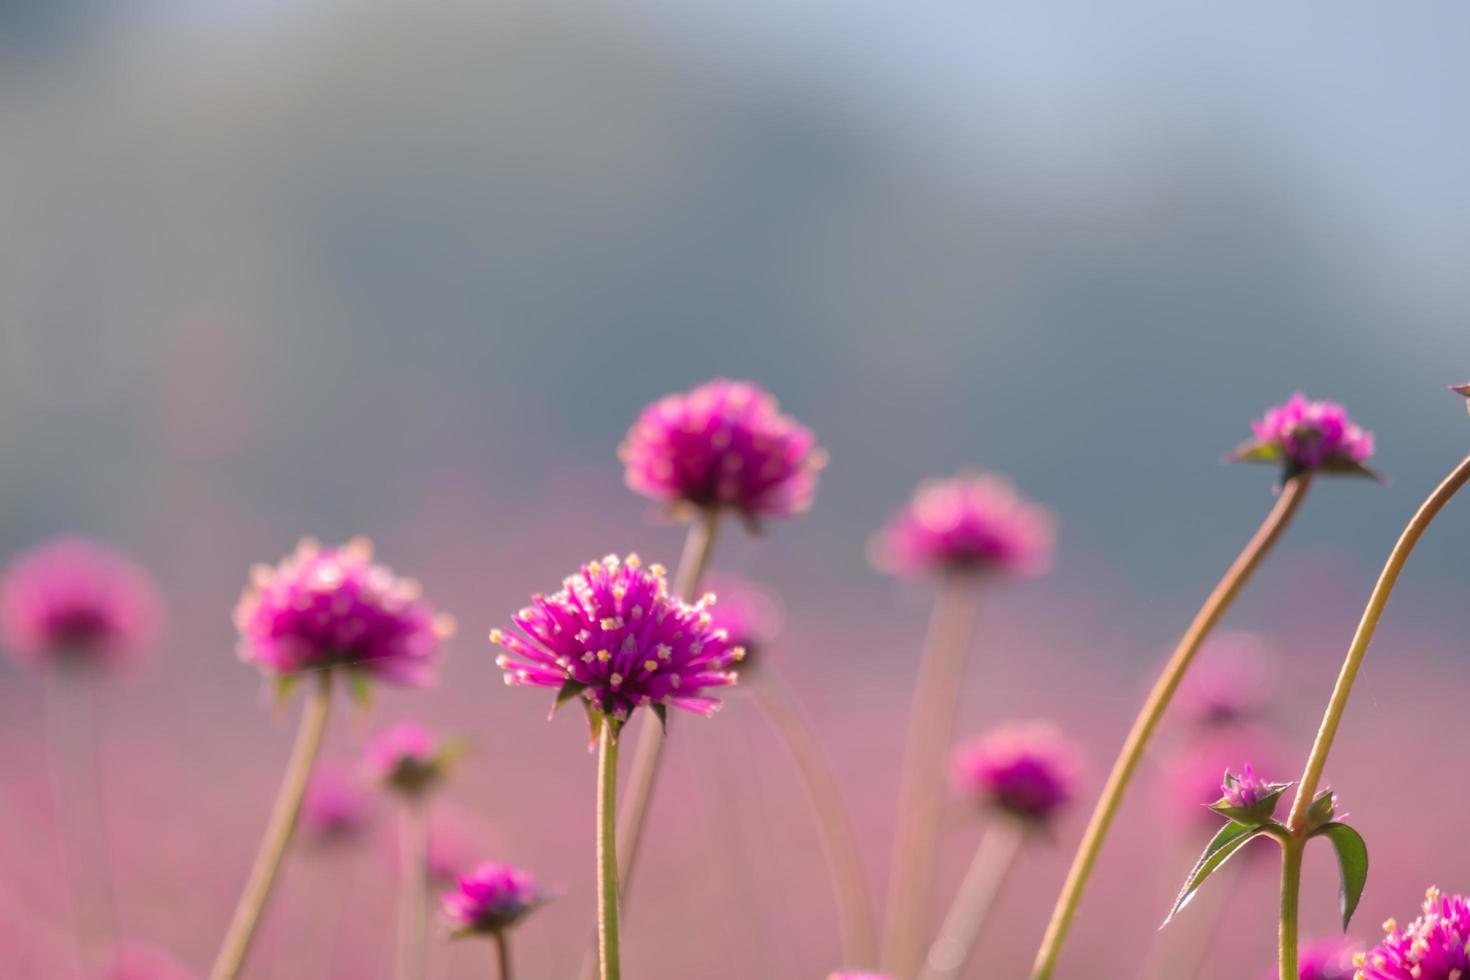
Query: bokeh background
[(410, 270)]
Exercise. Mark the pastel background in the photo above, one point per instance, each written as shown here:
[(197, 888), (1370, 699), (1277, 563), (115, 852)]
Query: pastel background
[(411, 270)]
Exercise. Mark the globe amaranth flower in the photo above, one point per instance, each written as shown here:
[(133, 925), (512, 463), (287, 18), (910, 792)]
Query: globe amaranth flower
[(409, 760), (491, 898), (1189, 781), (334, 607), (1028, 770), (1247, 798), (1305, 436), (723, 444), (973, 522), (749, 614), (1231, 682), (614, 636), (1325, 959), (1435, 946), (334, 808), (72, 600)]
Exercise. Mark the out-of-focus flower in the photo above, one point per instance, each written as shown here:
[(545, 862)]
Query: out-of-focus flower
[(1231, 680), (1028, 770), (749, 614), (1325, 959), (72, 600), (334, 809), (491, 898), (1190, 780), (614, 636), (859, 976), (330, 607), (974, 522), (723, 444), (137, 961), (1435, 946), (406, 758), (1304, 436)]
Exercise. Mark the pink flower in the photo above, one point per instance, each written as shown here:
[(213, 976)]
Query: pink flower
[(76, 600), (973, 522), (723, 444), (1304, 436), (1028, 770), (137, 961), (1435, 946), (1231, 680), (491, 898), (332, 607), (334, 808), (407, 758)]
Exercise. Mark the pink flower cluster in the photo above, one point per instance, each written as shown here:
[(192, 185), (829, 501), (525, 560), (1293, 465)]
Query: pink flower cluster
[(974, 522)]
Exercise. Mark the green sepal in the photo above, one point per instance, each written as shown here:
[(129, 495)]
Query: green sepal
[(1462, 390), (1320, 811), (569, 689), (1347, 467), (661, 712), (1231, 838), (1250, 816), (1255, 452), (1352, 864)]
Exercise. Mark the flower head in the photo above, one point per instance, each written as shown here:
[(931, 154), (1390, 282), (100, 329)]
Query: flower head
[(334, 808), (1305, 436), (974, 522), (1325, 959), (328, 607), (614, 636), (75, 600), (491, 898), (748, 613), (1248, 799), (406, 758), (859, 976), (723, 444), (1231, 681), (1028, 770), (1435, 946)]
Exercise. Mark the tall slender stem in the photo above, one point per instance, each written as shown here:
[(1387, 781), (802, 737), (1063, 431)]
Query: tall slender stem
[(983, 882), (502, 955), (1367, 626), (71, 751), (1148, 718), (607, 857), (413, 887), (699, 546), (824, 794), (1291, 880), (278, 832), (921, 788)]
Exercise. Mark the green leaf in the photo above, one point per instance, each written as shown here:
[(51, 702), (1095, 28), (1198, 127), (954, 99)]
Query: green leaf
[(1256, 452), (360, 688), (1231, 838), (1352, 862)]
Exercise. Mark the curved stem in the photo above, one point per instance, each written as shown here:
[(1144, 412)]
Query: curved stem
[(1291, 880), (278, 831), (502, 955), (699, 545), (921, 789), (824, 793), (413, 888), (1367, 626), (972, 903), (1148, 718), (607, 858)]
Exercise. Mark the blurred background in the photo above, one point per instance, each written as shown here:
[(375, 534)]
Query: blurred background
[(410, 270)]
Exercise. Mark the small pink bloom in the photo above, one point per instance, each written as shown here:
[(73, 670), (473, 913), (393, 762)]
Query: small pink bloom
[(1305, 436), (1028, 770), (491, 898), (77, 600), (974, 522), (405, 757), (335, 808)]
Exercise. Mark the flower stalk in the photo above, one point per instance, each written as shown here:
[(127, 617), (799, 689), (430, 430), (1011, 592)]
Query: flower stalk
[(1229, 587), (264, 872), (987, 875), (608, 895), (413, 882), (1292, 847), (502, 955)]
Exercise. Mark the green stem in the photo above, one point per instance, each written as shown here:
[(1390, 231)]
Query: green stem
[(921, 787), (988, 872), (1367, 626), (502, 954), (278, 832), (607, 857), (1291, 881), (413, 887), (1148, 718), (824, 795)]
